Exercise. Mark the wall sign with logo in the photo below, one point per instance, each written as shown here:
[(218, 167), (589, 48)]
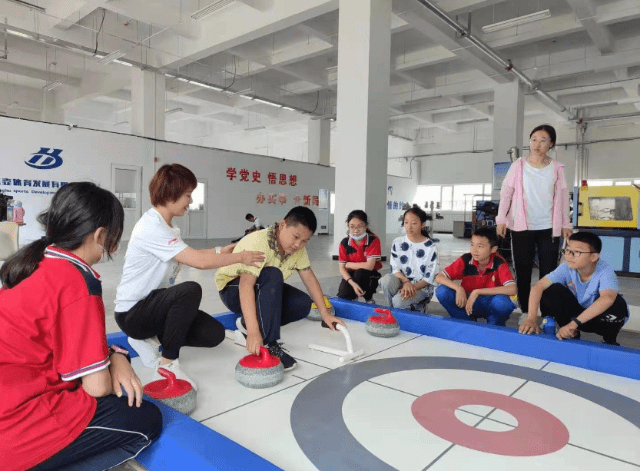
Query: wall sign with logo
[(46, 159)]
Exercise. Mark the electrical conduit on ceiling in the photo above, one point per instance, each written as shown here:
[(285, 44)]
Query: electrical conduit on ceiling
[(507, 65)]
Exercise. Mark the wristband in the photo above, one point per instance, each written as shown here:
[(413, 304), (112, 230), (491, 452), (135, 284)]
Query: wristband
[(575, 319), (348, 279), (218, 249), (118, 349)]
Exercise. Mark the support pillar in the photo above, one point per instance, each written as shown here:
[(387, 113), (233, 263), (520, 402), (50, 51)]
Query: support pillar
[(363, 111), (148, 103), (319, 141), (508, 123)]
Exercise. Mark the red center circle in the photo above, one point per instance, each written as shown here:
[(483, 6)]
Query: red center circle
[(538, 432)]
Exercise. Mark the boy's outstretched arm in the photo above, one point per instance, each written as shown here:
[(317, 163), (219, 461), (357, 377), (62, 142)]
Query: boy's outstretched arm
[(600, 305), (249, 312), (315, 291), (530, 325)]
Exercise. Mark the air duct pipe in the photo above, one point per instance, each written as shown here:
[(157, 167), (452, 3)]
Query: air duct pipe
[(507, 65)]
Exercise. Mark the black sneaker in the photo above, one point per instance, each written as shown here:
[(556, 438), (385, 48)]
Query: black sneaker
[(275, 348)]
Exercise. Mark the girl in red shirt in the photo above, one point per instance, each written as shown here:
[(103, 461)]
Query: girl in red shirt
[(359, 259), (61, 387)]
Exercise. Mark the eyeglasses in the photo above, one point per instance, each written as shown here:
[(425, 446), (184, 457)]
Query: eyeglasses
[(357, 228), (542, 141), (573, 253)]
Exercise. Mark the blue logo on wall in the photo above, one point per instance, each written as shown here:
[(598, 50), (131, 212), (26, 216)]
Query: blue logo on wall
[(45, 159)]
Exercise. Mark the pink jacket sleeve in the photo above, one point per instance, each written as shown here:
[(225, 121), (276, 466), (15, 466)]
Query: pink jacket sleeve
[(506, 194)]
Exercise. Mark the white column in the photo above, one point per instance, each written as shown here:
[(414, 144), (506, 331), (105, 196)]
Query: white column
[(363, 111), (148, 103), (319, 141), (508, 122)]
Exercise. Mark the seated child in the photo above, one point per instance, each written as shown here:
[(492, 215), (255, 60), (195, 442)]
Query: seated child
[(486, 282), (414, 263), (62, 401), (581, 294), (260, 294), (359, 259)]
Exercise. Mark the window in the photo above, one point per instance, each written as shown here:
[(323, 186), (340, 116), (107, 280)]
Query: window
[(198, 198), (465, 196), (447, 196), (426, 194)]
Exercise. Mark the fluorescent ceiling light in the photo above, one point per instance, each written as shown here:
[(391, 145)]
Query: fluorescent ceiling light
[(121, 122), (520, 20), (111, 57), (182, 79), (212, 8), (205, 85), (288, 108), (277, 105), (174, 110), (123, 63), (169, 75), (18, 33), (254, 128), (246, 97), (50, 86), (28, 5)]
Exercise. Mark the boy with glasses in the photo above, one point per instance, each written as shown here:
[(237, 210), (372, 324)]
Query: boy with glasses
[(581, 294)]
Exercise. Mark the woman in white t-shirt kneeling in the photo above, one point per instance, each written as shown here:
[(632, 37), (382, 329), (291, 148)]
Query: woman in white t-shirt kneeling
[(150, 307)]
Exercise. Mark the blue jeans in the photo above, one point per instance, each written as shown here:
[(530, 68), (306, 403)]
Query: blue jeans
[(495, 308), (277, 303)]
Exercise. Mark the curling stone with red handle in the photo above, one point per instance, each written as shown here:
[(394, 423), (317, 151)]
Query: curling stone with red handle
[(176, 393), (383, 325), (260, 371)]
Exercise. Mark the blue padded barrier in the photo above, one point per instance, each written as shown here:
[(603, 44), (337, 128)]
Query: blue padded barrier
[(187, 444), (620, 361)]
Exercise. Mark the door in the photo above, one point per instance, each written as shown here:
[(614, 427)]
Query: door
[(126, 184), (193, 225)]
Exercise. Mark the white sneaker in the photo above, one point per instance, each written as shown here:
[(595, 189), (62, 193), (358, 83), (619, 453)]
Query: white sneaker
[(148, 350), (174, 367)]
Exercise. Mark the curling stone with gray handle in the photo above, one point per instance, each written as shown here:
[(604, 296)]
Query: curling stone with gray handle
[(260, 371), (175, 393), (383, 325), (314, 314)]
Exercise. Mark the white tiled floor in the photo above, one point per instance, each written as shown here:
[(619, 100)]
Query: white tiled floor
[(378, 412)]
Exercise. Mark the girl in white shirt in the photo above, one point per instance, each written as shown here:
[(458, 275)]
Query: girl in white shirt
[(414, 265)]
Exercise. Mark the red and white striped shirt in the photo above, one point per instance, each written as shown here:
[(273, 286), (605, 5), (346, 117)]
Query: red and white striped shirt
[(52, 332)]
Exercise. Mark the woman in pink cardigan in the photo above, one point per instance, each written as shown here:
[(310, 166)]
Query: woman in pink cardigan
[(534, 205)]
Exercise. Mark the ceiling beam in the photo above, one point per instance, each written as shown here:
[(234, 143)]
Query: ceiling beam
[(586, 11)]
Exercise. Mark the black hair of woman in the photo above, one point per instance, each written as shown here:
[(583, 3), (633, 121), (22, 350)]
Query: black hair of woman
[(76, 210), (422, 215), (549, 130), (359, 214)]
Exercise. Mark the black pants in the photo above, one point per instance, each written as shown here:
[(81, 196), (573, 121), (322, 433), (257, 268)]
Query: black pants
[(560, 303), (116, 434), (277, 303), (366, 279), (523, 248), (173, 316)]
